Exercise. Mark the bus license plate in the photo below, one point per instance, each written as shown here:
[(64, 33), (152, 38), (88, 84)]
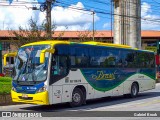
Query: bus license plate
[(24, 96)]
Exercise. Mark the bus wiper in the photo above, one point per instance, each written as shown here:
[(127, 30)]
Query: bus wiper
[(34, 78)]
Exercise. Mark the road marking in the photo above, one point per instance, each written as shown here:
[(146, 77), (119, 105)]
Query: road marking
[(149, 103)]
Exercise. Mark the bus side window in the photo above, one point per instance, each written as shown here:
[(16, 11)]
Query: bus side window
[(63, 65), (54, 66), (151, 60), (96, 58), (59, 65), (129, 59), (113, 59), (73, 61), (81, 57)]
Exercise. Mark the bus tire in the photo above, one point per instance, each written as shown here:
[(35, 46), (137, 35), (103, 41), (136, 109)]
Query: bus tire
[(134, 90), (77, 98)]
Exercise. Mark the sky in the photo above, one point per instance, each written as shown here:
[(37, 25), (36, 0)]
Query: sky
[(66, 16)]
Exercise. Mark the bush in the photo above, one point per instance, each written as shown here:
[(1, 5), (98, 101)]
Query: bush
[(5, 85), (5, 79)]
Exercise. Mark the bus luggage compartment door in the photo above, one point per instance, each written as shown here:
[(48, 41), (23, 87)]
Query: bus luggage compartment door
[(55, 94)]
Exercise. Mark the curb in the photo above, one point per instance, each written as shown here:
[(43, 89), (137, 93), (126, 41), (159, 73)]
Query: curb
[(8, 106), (157, 84)]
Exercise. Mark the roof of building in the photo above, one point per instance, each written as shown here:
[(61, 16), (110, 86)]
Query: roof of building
[(76, 34)]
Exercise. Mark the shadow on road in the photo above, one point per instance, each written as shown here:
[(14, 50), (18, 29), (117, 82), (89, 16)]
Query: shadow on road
[(91, 104)]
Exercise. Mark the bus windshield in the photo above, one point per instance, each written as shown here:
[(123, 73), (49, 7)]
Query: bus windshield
[(27, 64)]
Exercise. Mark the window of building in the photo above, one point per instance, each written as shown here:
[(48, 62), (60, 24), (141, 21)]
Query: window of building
[(5, 46)]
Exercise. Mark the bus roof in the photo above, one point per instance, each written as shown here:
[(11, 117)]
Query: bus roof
[(86, 43), (106, 44), (54, 42), (47, 42), (113, 45)]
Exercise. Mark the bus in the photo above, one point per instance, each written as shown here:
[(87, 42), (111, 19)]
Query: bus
[(51, 72)]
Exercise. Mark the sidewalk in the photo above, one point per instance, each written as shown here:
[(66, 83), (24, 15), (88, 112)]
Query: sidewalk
[(157, 84)]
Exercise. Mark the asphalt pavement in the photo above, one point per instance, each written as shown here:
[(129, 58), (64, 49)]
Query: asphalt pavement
[(148, 101)]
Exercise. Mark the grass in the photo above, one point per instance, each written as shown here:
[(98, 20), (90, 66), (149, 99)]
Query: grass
[(5, 85)]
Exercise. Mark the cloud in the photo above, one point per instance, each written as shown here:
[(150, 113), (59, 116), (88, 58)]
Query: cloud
[(12, 17), (74, 27), (106, 25), (148, 21), (67, 18), (70, 18), (145, 9)]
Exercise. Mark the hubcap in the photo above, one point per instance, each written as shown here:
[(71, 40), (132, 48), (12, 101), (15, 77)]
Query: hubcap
[(134, 90), (76, 97)]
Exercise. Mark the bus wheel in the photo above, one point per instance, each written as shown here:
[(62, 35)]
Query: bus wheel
[(134, 90), (77, 98)]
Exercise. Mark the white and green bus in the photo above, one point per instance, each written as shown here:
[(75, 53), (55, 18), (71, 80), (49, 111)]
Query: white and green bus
[(52, 72)]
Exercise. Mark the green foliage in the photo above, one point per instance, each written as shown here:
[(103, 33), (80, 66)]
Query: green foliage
[(32, 33), (5, 79), (5, 85)]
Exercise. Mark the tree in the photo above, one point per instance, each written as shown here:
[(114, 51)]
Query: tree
[(84, 36), (32, 33)]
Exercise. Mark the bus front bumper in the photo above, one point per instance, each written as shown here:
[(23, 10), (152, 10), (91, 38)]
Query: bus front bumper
[(37, 98)]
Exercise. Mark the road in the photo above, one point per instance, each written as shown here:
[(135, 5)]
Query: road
[(146, 101)]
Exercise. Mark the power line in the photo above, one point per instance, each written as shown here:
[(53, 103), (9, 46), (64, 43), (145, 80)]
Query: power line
[(97, 10), (102, 12)]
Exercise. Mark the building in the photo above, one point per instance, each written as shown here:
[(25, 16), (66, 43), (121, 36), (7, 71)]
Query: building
[(149, 38)]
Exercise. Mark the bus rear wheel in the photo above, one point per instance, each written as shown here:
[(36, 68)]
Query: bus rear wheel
[(134, 90), (77, 98)]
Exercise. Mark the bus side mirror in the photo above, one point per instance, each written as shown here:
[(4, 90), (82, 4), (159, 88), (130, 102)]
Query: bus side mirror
[(42, 54), (14, 54)]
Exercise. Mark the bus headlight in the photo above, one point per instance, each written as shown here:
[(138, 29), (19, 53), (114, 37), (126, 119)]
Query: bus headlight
[(14, 89), (42, 89)]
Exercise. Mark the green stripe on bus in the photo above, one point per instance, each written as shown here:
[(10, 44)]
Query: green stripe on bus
[(114, 86)]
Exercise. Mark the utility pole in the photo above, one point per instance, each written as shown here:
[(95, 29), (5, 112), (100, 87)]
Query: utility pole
[(48, 18), (93, 24), (47, 6)]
